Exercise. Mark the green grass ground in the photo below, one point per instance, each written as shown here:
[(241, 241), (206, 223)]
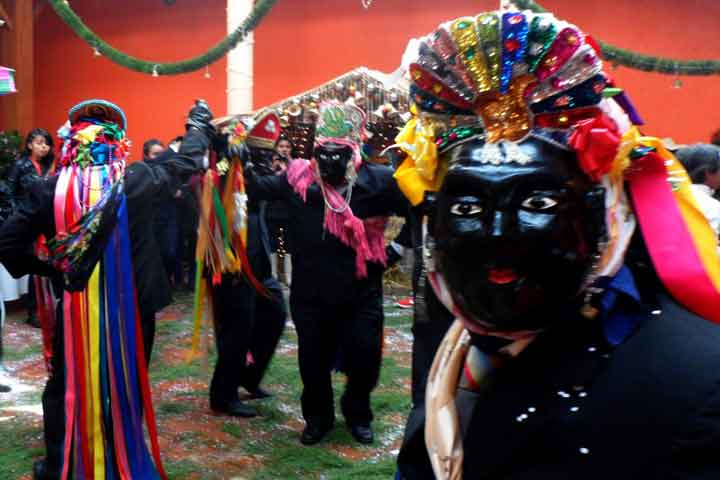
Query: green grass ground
[(195, 443)]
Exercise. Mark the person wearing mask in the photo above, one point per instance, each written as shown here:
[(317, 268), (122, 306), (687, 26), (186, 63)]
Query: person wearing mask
[(568, 247), (36, 161), (338, 208), (702, 162), (98, 382), (248, 305)]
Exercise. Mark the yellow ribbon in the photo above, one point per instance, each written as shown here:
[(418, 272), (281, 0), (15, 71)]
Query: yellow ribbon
[(87, 135), (95, 429), (420, 171)]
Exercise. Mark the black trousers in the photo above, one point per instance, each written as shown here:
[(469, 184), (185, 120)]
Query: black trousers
[(31, 298), (323, 329), (53, 400), (147, 325), (245, 322), (431, 322)]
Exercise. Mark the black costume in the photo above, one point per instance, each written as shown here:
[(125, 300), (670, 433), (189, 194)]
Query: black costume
[(246, 321), (330, 306), (143, 182), (641, 410)]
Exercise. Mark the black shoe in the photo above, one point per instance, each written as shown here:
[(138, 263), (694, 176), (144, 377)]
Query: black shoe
[(313, 433), (41, 472), (33, 321), (258, 394), (4, 388), (362, 433), (234, 408)]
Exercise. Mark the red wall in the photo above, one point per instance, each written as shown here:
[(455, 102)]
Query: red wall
[(67, 71), (305, 42)]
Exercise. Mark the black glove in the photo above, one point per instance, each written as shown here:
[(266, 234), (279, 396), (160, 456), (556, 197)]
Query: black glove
[(200, 117), (239, 151), (392, 256)]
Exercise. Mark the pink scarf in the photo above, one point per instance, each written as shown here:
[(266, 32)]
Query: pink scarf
[(366, 237)]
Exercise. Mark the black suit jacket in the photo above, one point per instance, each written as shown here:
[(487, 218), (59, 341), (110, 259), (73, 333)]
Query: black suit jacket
[(144, 182), (324, 267), (648, 409)]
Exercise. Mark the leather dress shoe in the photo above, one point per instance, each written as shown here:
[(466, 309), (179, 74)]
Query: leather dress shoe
[(234, 408), (41, 471), (362, 433), (313, 433), (258, 394)]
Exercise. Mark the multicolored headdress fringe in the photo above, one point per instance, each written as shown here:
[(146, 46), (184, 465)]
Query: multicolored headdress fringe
[(222, 233), (342, 124), (107, 388), (506, 76)]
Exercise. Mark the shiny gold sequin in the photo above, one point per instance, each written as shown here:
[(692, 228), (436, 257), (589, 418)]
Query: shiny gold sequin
[(506, 117), (488, 31), (463, 33)]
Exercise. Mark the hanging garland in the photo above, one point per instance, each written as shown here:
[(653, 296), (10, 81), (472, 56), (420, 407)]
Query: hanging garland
[(638, 61), (66, 13), (615, 55)]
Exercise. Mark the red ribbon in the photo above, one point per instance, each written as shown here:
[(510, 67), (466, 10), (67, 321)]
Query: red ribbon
[(596, 143)]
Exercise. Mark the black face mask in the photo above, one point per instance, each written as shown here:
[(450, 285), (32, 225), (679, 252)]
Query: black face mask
[(332, 159), (515, 241), (262, 159)]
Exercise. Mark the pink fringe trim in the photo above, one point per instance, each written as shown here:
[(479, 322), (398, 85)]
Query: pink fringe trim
[(366, 237)]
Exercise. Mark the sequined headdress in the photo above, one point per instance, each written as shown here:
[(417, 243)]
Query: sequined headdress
[(503, 77), (508, 75)]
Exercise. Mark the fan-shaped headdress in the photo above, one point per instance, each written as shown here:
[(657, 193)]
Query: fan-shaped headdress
[(508, 75)]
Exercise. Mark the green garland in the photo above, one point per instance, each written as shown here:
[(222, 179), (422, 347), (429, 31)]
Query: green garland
[(66, 13), (638, 61), (615, 55)]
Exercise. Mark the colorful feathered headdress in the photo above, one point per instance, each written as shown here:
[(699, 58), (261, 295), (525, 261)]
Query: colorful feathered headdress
[(509, 75)]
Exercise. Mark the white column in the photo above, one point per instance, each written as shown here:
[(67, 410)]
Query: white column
[(240, 61)]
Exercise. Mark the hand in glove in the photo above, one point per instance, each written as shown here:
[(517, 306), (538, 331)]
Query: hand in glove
[(200, 117)]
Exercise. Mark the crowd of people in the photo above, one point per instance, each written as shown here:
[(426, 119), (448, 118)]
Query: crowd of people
[(566, 275)]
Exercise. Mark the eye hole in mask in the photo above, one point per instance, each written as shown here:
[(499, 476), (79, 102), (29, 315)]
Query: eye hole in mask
[(462, 209), (539, 203)]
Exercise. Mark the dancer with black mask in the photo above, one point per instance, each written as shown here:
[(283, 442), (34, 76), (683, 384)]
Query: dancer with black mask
[(571, 251), (247, 303), (338, 209)]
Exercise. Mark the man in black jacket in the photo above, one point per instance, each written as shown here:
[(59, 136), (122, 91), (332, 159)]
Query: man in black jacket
[(336, 293), (143, 182)]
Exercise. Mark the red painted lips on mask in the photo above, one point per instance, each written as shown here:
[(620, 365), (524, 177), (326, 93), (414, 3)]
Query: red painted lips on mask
[(502, 276)]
